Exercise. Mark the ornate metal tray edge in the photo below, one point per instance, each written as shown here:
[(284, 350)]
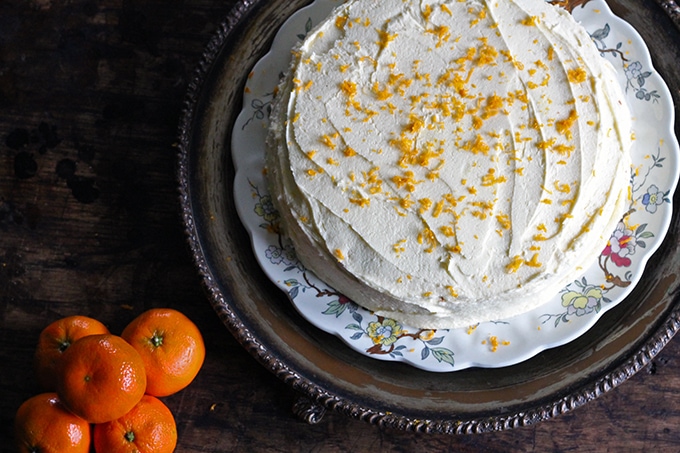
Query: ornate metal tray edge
[(672, 9), (316, 399)]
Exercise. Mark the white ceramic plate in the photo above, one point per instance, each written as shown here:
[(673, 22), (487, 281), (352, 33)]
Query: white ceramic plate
[(562, 318)]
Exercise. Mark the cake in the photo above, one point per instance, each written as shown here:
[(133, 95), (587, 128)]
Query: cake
[(446, 163)]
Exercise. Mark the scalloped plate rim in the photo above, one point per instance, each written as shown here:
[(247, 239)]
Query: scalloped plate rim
[(255, 236)]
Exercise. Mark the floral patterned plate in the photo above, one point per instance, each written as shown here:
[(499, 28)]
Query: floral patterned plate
[(562, 318)]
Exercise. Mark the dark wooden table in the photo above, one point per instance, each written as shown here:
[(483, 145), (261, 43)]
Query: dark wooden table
[(91, 92)]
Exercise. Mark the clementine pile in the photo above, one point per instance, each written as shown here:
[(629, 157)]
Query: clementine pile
[(42, 424), (148, 428), (171, 347), (110, 381), (101, 378), (53, 342)]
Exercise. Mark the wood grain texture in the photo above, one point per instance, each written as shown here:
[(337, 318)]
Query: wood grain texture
[(90, 97)]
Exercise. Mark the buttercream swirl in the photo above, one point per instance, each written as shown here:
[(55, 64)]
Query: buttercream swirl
[(445, 163)]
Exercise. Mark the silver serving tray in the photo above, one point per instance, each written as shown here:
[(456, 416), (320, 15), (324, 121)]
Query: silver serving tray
[(323, 370)]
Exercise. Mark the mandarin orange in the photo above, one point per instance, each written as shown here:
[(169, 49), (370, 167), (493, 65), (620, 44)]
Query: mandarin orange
[(55, 339), (170, 345), (101, 378), (42, 424), (148, 427)]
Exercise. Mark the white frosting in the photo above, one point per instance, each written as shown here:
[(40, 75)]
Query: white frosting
[(445, 163)]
